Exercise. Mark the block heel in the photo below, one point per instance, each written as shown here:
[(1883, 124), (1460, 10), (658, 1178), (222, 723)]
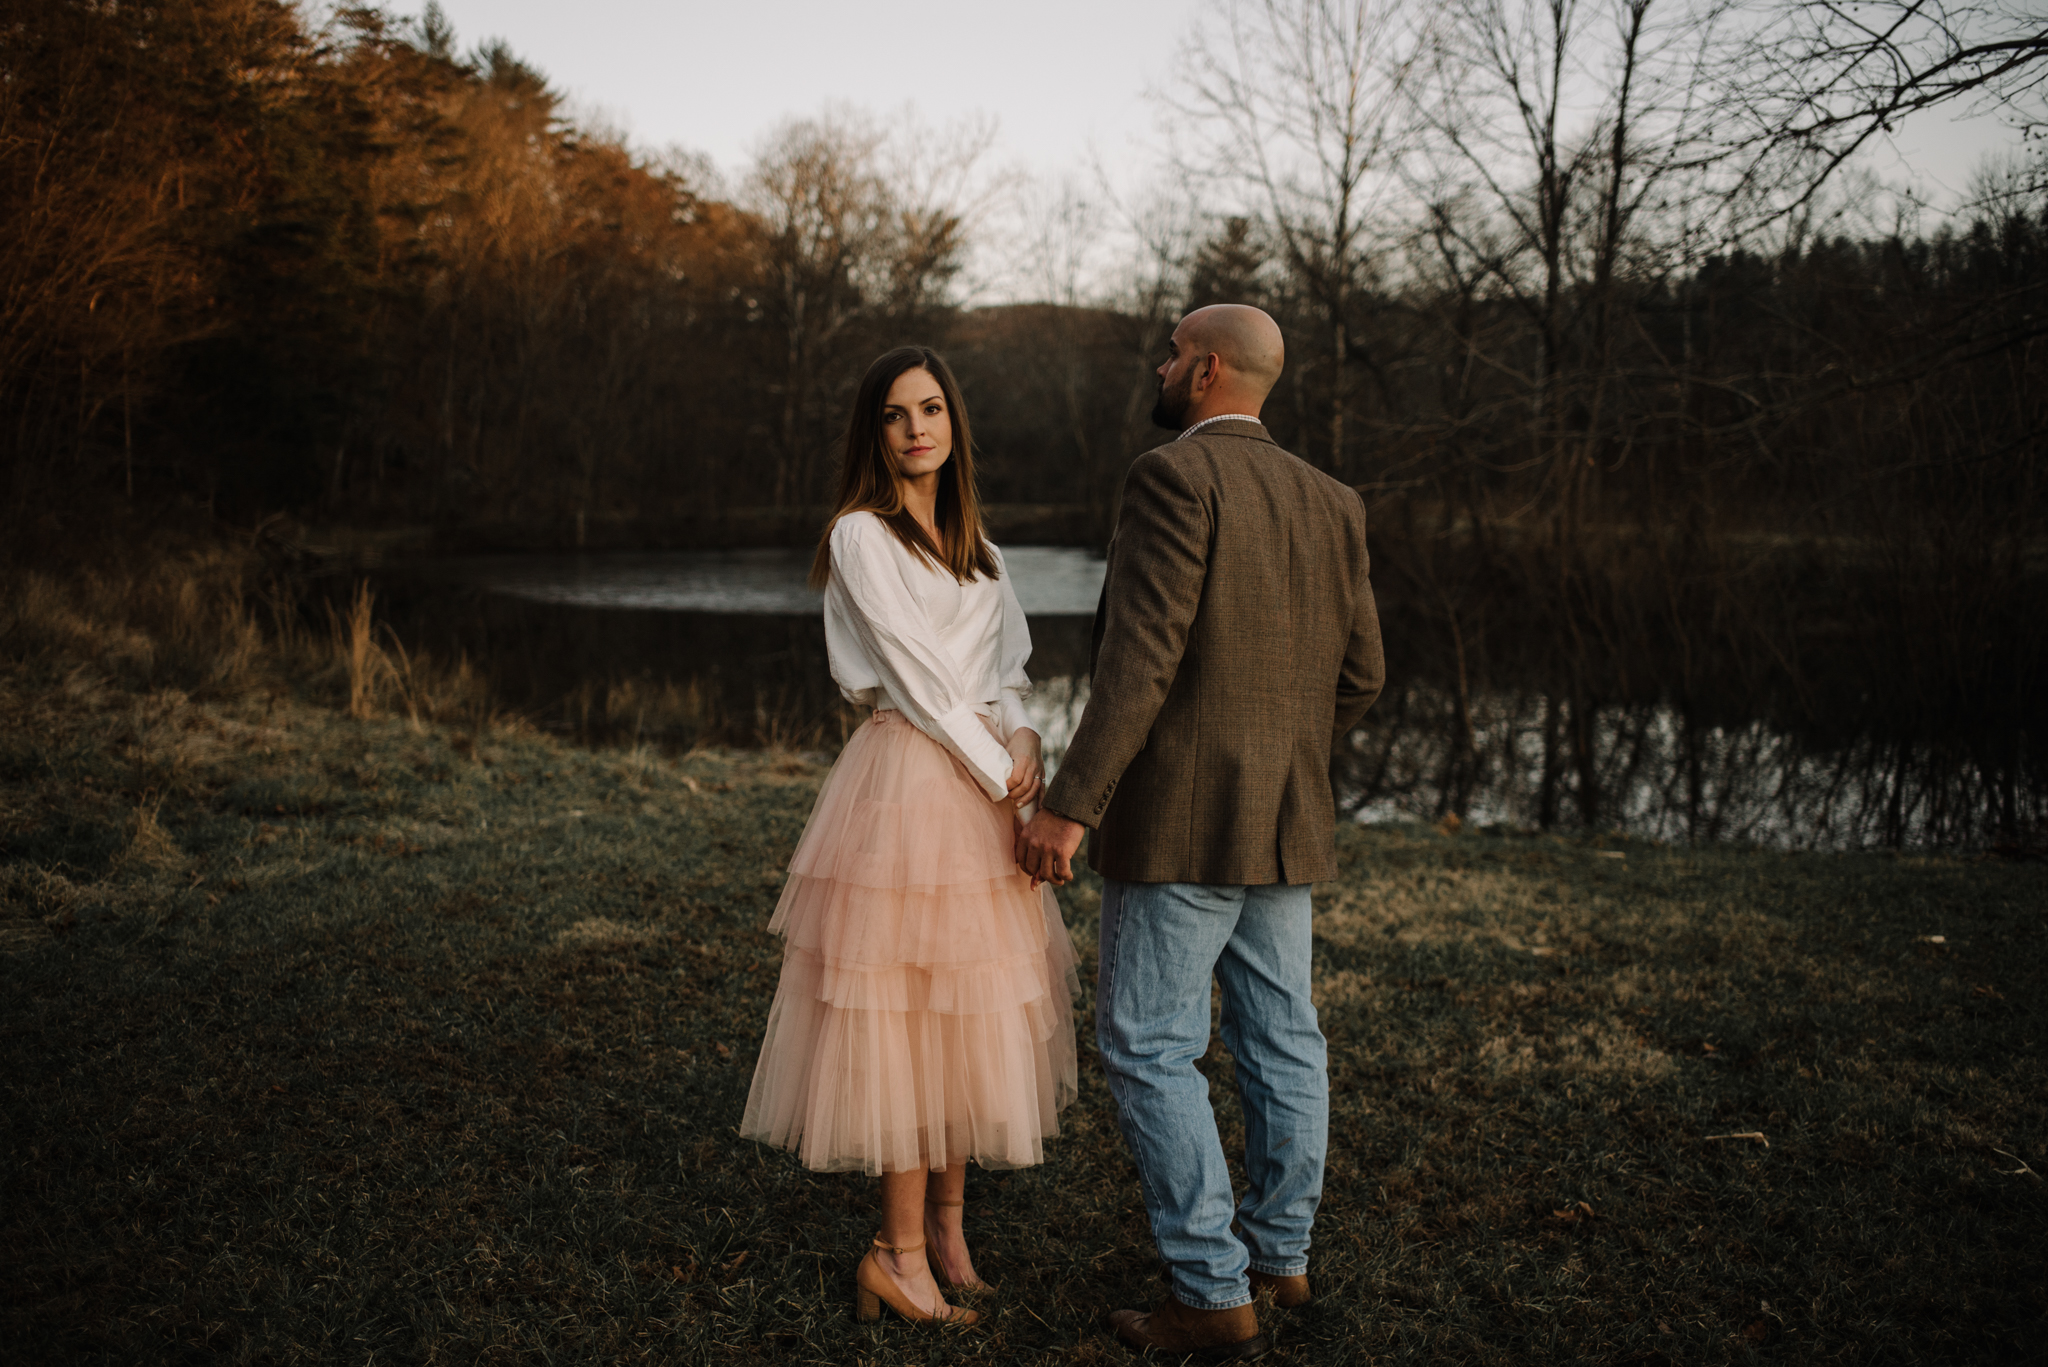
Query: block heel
[(875, 1288)]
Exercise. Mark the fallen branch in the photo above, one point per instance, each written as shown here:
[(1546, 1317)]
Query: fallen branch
[(2021, 1171), (1757, 1135)]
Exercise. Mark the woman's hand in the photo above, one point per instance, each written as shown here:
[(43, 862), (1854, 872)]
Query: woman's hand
[(1027, 775)]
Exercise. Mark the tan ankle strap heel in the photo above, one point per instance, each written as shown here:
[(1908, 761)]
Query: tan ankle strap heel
[(875, 1288)]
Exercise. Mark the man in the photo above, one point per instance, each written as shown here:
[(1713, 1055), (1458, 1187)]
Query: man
[(1236, 642)]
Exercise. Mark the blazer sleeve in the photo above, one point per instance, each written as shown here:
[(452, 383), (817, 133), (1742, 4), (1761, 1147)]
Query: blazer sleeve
[(1158, 563), (1364, 671), (899, 642)]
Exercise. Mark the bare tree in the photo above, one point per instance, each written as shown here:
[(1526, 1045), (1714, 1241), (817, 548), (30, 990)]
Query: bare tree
[(1568, 122), (824, 212), (2006, 183), (1816, 84), (1056, 233), (1566, 137), (938, 191), (858, 223), (1302, 110)]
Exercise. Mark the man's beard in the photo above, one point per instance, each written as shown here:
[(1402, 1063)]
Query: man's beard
[(1170, 411)]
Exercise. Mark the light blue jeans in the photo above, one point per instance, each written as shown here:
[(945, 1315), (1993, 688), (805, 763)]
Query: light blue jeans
[(1161, 944)]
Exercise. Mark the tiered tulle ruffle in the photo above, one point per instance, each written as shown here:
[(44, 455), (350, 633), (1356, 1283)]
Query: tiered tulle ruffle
[(925, 1009)]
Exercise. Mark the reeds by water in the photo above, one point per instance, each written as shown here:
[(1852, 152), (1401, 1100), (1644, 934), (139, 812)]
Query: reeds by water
[(379, 674), (219, 621)]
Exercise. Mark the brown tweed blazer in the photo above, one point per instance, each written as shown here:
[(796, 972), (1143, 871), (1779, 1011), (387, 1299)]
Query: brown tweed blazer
[(1236, 642)]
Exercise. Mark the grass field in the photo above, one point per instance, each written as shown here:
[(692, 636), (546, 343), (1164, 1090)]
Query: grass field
[(372, 1041)]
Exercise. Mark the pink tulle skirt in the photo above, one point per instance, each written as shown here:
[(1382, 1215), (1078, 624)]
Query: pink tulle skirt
[(925, 1011)]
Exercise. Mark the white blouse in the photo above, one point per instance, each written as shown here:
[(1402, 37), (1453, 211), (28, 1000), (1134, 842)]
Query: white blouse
[(904, 634)]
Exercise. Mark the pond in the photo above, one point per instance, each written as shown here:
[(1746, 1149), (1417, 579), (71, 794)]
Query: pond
[(685, 648), (1050, 580)]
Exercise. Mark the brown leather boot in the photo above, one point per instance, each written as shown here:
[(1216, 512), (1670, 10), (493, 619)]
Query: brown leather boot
[(1173, 1329), (1288, 1292)]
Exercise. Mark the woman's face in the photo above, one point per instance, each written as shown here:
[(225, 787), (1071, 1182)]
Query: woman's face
[(916, 424)]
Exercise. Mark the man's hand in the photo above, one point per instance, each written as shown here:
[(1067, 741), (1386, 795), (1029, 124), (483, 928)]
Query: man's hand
[(1046, 845)]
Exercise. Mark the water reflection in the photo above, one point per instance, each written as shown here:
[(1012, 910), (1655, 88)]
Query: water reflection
[(1653, 774), (1652, 771), (728, 648)]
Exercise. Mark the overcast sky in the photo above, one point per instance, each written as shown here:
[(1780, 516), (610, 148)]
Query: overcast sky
[(1061, 77), (1056, 74)]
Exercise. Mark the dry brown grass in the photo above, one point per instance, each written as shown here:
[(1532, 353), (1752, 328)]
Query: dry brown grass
[(216, 622), (378, 673)]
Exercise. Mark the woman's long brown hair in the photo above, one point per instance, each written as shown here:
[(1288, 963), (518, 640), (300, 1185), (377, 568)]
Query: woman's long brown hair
[(868, 480)]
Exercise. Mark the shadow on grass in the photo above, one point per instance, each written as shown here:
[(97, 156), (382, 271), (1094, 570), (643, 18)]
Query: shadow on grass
[(388, 1042)]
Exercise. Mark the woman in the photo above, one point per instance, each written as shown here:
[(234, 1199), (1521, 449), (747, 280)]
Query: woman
[(924, 1015)]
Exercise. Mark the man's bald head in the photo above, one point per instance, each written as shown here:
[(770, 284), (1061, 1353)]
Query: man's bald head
[(1247, 340), (1221, 359)]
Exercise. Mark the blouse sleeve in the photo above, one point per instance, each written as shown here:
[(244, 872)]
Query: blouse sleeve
[(906, 653), (1016, 652)]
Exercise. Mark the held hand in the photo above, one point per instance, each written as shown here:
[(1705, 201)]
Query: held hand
[(1027, 775), (1046, 845), (1027, 781)]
